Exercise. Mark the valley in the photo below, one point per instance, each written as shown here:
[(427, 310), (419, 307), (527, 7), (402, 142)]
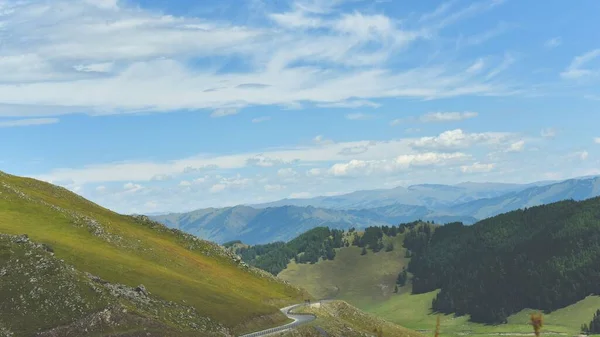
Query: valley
[(285, 219)]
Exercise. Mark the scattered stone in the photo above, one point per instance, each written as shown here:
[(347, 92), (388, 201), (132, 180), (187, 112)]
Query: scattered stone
[(142, 290), (22, 239)]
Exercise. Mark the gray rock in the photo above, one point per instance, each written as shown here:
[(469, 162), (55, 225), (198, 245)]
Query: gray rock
[(142, 290)]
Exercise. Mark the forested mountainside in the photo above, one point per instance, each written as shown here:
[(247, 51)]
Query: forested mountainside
[(543, 257)]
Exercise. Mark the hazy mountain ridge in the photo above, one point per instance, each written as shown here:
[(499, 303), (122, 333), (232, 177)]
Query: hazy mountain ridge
[(465, 202)]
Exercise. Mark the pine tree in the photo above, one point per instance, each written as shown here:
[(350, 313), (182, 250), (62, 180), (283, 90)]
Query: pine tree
[(389, 247), (396, 289)]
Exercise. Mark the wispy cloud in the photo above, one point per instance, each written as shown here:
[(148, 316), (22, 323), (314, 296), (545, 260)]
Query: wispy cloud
[(447, 116), (352, 104), (359, 116), (224, 112), (553, 42), (576, 69), (261, 119), (113, 58), (28, 122), (597, 140), (549, 133)]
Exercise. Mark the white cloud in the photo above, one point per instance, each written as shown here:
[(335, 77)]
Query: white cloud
[(553, 42), (218, 188), (101, 188), (504, 65), (447, 116), (131, 187), (274, 188), (583, 155), (28, 122), (185, 183), (95, 67), (458, 139), (516, 146), (314, 172), (575, 70), (286, 172), (477, 168), (476, 67), (224, 112), (359, 116), (261, 119), (321, 140), (403, 162), (549, 133), (597, 140), (350, 104), (130, 60)]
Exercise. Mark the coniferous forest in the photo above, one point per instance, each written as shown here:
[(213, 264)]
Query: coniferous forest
[(544, 257), (309, 247)]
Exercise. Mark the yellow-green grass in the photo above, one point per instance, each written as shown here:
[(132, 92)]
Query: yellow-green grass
[(340, 319), (414, 312), (362, 280), (138, 254)]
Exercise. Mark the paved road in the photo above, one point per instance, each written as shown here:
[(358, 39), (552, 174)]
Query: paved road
[(298, 320)]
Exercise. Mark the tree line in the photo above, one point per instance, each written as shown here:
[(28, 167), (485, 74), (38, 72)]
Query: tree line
[(309, 247), (543, 257)]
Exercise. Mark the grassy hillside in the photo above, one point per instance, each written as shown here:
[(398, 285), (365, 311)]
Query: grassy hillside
[(414, 312), (340, 319), (172, 266), (359, 279)]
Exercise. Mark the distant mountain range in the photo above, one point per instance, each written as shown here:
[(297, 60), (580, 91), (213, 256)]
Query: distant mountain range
[(285, 219)]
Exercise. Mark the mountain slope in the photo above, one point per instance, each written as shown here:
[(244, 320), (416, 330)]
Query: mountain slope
[(431, 196), (543, 257), (254, 226), (576, 189), (174, 267)]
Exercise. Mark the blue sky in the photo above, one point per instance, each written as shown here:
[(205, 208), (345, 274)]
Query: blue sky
[(153, 105)]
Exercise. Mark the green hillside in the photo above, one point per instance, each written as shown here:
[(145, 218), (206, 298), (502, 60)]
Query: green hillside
[(177, 269), (359, 279), (414, 312), (340, 319)]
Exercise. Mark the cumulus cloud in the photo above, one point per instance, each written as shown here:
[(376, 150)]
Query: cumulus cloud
[(458, 139), (367, 167), (131, 187), (597, 140), (516, 146)]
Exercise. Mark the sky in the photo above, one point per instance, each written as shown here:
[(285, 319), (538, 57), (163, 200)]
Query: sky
[(154, 105)]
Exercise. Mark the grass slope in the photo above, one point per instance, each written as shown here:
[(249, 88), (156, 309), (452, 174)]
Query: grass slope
[(122, 249), (367, 282), (340, 319), (362, 280), (414, 312)]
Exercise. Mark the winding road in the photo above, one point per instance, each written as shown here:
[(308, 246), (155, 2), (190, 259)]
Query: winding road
[(299, 319)]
